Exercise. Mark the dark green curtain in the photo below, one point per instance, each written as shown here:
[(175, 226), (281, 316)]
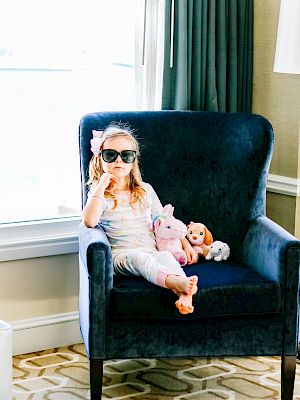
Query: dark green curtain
[(212, 63)]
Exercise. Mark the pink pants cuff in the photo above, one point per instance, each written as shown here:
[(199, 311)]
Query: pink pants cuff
[(161, 279), (162, 276)]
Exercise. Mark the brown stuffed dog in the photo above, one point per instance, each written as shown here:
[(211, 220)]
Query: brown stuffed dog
[(199, 237)]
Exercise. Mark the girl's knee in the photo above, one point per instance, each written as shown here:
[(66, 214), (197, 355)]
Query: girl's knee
[(166, 253), (167, 256), (140, 258)]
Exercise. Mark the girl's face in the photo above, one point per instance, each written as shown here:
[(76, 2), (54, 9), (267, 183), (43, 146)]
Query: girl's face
[(118, 168)]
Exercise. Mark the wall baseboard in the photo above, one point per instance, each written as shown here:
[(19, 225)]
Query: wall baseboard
[(51, 331)]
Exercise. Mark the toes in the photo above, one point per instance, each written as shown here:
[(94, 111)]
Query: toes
[(181, 308), (178, 304), (193, 285), (194, 280), (189, 308), (184, 309)]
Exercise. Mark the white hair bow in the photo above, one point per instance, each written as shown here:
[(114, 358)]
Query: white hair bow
[(96, 142)]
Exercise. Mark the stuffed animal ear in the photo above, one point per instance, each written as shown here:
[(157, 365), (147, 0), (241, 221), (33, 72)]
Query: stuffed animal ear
[(188, 225), (208, 237), (168, 210)]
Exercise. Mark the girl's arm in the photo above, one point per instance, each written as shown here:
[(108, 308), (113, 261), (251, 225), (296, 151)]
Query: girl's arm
[(95, 205), (93, 209), (156, 206), (192, 256)]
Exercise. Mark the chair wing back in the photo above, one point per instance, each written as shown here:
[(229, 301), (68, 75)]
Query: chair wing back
[(212, 167)]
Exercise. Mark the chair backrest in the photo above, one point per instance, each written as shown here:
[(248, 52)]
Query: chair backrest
[(212, 167)]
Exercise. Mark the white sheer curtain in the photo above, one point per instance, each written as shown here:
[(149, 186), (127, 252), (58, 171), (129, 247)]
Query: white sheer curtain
[(149, 57)]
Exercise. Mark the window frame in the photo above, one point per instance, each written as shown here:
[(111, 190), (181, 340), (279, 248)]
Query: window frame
[(30, 239)]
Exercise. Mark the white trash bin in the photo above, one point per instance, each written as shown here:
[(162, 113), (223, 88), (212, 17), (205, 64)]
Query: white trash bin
[(5, 361)]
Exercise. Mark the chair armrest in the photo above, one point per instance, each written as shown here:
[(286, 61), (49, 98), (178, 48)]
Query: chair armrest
[(275, 253), (95, 254), (267, 247), (96, 280)]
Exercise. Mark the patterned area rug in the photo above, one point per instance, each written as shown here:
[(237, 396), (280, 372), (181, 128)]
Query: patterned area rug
[(63, 374)]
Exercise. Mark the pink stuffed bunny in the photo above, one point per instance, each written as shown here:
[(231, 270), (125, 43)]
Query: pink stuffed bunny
[(168, 232)]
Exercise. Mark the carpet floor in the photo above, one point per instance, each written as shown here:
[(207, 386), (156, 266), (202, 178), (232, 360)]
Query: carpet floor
[(63, 374)]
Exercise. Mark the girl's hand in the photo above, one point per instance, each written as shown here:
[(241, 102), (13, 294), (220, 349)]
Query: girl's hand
[(192, 256), (93, 209), (107, 180)]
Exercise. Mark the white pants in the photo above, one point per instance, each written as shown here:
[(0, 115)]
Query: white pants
[(151, 265)]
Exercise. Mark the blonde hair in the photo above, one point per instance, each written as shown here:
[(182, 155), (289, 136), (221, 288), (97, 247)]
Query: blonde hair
[(133, 180)]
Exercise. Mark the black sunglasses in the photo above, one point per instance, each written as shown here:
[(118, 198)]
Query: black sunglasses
[(110, 155)]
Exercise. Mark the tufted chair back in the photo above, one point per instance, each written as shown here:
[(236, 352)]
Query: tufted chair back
[(212, 167)]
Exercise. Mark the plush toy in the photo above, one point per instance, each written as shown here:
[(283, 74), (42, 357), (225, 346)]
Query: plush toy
[(168, 232), (199, 237), (218, 251)]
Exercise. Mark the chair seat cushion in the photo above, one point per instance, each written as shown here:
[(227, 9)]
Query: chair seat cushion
[(224, 289)]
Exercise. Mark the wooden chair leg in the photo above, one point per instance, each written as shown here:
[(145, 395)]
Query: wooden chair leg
[(288, 370), (96, 374)]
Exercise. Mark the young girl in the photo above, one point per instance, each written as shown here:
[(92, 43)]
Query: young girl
[(124, 206)]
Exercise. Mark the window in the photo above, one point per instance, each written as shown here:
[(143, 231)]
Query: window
[(59, 59)]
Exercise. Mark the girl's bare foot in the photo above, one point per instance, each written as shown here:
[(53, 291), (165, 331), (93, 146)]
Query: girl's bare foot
[(184, 304), (184, 288), (182, 284)]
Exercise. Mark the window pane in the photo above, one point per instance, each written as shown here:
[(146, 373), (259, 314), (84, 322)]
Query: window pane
[(64, 59)]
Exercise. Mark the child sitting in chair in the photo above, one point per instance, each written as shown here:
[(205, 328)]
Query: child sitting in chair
[(124, 206)]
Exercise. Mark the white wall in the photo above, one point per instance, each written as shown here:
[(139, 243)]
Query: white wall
[(38, 286), (39, 296)]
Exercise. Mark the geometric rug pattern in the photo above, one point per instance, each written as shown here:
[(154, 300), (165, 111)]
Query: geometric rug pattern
[(63, 374)]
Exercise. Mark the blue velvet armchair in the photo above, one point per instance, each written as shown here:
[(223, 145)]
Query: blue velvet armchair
[(212, 167)]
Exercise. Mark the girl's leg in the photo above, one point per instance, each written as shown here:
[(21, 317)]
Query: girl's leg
[(175, 279), (159, 268), (138, 263)]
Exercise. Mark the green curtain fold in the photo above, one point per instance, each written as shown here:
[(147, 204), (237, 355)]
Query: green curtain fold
[(213, 56)]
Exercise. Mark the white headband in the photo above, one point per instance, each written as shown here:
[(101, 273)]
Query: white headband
[(96, 142)]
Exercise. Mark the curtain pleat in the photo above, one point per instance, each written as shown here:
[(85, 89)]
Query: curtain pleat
[(203, 49), (181, 47), (232, 56), (196, 70), (212, 66), (221, 54)]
